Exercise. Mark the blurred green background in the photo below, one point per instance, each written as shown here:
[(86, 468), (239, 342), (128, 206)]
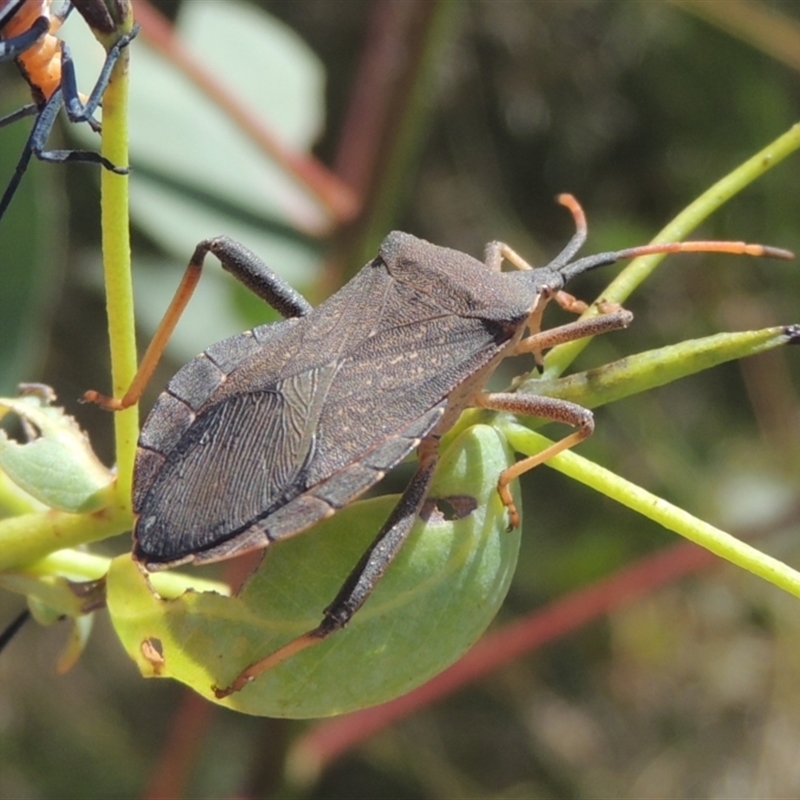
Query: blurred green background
[(492, 109)]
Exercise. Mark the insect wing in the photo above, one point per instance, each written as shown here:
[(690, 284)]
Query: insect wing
[(207, 466), (395, 376), (271, 431)]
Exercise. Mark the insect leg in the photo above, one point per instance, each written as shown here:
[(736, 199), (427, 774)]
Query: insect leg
[(41, 131), (363, 579), (13, 628), (570, 303), (35, 147), (251, 271), (550, 408), (68, 91), (24, 159), (25, 111), (76, 110), (497, 251), (247, 268), (11, 48), (612, 318), (59, 16), (591, 326)]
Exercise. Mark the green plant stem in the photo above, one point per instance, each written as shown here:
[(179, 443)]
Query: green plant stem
[(648, 370), (117, 269), (639, 269), (29, 537), (655, 508)]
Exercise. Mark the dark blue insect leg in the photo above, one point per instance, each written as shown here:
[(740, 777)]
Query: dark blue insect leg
[(63, 12), (11, 631), (25, 111), (11, 48), (45, 121), (76, 110), (41, 130)]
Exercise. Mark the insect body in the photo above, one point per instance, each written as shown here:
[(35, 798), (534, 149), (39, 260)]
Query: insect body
[(339, 398), (28, 31), (270, 431)]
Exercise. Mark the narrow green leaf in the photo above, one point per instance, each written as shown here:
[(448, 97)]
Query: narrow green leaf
[(644, 371)]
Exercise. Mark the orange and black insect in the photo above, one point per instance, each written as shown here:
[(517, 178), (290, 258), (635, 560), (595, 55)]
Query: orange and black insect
[(28, 35)]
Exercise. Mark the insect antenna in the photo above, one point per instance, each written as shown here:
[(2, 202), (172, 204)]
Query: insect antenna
[(579, 237), (570, 270)]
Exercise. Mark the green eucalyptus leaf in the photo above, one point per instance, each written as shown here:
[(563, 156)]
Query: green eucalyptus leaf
[(435, 600), (57, 467)]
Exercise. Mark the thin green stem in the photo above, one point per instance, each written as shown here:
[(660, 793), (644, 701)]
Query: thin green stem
[(117, 268), (655, 508), (78, 565), (29, 537)]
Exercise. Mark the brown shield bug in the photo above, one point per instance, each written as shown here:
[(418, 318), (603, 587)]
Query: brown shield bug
[(268, 432)]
